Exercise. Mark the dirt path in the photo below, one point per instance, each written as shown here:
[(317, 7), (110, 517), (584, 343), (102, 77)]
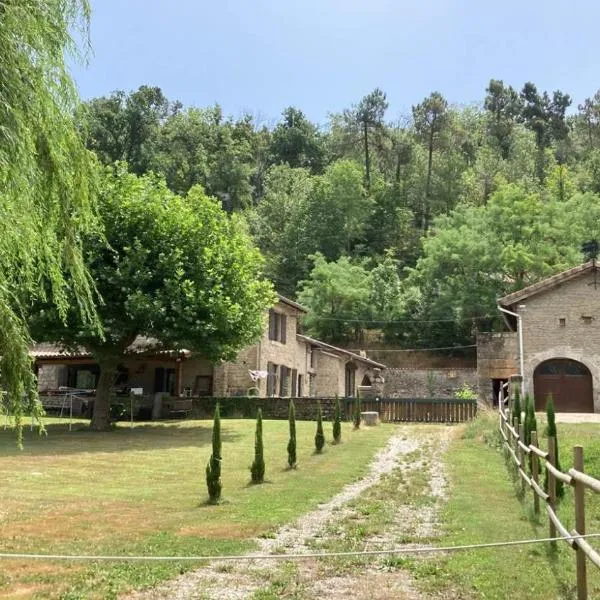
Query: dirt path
[(411, 458)]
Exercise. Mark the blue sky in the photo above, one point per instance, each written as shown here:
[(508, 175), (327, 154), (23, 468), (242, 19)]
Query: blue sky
[(323, 55)]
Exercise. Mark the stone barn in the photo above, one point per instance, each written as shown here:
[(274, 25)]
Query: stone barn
[(553, 342)]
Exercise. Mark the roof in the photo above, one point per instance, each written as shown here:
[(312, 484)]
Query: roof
[(292, 303), (141, 345), (548, 283), (320, 344)]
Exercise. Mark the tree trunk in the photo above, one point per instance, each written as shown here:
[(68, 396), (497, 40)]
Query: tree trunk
[(101, 414), (428, 182), (367, 158)]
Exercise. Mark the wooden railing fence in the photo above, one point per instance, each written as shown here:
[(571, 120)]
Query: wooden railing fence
[(420, 410), (530, 462)]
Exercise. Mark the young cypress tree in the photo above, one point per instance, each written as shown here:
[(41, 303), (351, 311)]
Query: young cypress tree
[(517, 406), (257, 470), (551, 432), (319, 436), (356, 415), (213, 468), (291, 447), (337, 422)]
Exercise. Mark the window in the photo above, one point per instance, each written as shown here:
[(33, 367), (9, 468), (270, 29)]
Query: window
[(294, 382), (284, 381), (202, 385), (311, 384), (271, 379), (350, 380), (300, 386), (312, 357), (587, 319), (165, 380), (277, 327), (562, 321)]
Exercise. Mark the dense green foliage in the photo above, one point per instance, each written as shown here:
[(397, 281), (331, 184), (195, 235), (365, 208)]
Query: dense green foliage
[(319, 436), (177, 271), (337, 422), (291, 447), (213, 468), (430, 219), (46, 181), (257, 469)]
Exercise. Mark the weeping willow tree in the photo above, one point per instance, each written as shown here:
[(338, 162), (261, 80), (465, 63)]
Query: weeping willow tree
[(46, 180)]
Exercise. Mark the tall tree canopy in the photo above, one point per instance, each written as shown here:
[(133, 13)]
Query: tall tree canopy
[(168, 267), (46, 179)]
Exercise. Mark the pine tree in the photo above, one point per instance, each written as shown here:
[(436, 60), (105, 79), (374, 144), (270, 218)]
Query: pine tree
[(356, 416), (213, 468), (291, 447), (551, 432), (337, 422), (319, 436), (257, 470), (517, 406)]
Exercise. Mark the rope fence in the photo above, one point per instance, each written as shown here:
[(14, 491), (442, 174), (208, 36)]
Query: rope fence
[(249, 557)]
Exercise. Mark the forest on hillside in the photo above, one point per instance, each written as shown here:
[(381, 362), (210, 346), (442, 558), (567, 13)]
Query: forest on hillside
[(413, 226)]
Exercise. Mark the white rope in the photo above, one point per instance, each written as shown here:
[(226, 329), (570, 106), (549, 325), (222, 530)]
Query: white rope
[(8, 555)]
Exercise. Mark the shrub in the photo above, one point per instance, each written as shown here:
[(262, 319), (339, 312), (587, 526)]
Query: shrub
[(517, 407), (319, 436), (337, 422), (213, 468), (356, 415), (257, 470), (551, 432), (466, 392), (291, 447)]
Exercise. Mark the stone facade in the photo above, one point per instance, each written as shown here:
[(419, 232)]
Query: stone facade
[(560, 317), (497, 359), (298, 366), (577, 301), (427, 383)]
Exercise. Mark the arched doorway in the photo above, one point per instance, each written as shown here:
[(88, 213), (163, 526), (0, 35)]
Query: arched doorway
[(569, 382)]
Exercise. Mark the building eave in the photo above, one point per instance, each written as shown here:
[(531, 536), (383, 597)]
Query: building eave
[(547, 284), (338, 351)]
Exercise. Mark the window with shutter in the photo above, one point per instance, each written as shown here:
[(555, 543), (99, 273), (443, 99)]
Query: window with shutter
[(272, 316), (283, 329), (294, 382)]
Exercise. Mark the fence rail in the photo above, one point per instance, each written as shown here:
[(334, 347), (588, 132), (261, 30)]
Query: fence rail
[(530, 461)]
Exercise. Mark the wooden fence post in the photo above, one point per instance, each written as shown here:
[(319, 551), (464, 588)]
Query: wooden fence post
[(535, 473), (552, 485), (580, 524)]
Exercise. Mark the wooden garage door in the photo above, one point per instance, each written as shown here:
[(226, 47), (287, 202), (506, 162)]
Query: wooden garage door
[(569, 382)]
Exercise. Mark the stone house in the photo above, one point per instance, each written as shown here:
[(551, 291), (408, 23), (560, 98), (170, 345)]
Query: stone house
[(553, 342), (283, 363)]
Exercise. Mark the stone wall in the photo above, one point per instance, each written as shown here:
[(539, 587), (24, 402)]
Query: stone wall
[(427, 383), (272, 408), (497, 358)]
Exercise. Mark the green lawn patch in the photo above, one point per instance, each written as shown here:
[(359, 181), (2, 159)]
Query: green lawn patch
[(143, 491), (483, 507)]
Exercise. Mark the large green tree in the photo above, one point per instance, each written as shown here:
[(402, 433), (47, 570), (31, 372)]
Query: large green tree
[(46, 179), (176, 269), (430, 118), (337, 295)]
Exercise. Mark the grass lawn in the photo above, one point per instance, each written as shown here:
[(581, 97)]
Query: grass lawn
[(483, 507), (142, 491)]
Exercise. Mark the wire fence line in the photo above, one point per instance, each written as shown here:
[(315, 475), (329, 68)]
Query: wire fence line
[(250, 557)]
